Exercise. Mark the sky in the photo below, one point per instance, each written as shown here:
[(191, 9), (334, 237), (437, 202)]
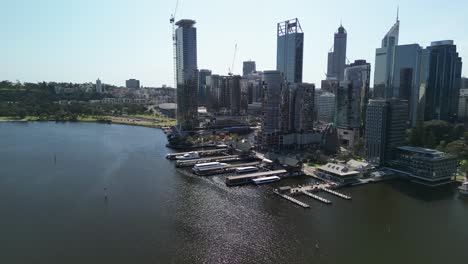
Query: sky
[(114, 40)]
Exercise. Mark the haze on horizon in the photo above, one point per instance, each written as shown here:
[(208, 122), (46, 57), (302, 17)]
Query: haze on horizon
[(114, 40)]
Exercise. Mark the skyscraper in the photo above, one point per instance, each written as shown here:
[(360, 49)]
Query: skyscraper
[(325, 107), (248, 68), (202, 96), (337, 56), (98, 86), (132, 84), (301, 105), (273, 86), (289, 50), (384, 57), (440, 97), (385, 129), (187, 74), (353, 95)]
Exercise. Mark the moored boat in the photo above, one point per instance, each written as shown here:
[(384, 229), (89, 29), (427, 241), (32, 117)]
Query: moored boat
[(264, 180), (464, 188), (189, 156)]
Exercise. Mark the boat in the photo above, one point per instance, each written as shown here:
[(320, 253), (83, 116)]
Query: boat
[(464, 188), (209, 166), (246, 169), (264, 180), (221, 146), (188, 156)]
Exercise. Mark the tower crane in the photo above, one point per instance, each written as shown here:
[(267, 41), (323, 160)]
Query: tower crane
[(233, 61)]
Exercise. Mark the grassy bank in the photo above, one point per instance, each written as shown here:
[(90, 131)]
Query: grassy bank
[(128, 120)]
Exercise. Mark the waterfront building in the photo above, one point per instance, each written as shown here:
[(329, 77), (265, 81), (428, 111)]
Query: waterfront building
[(187, 74), (337, 56), (385, 129), (248, 68), (439, 96), (424, 166), (290, 47), (338, 173), (202, 95), (325, 107), (384, 57), (98, 86)]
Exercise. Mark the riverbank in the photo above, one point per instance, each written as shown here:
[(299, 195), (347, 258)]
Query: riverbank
[(151, 121)]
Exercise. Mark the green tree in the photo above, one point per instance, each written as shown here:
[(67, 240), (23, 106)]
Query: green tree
[(458, 148)]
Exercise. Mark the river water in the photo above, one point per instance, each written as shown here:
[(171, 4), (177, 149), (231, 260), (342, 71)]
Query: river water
[(53, 209)]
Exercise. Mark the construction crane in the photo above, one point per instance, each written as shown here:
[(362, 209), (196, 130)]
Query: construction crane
[(174, 42), (233, 61)]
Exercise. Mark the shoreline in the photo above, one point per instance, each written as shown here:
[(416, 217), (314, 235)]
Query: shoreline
[(112, 120)]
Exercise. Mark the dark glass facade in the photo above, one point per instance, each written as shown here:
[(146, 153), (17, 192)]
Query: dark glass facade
[(289, 52)]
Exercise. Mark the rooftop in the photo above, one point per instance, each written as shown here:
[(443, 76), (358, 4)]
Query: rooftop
[(185, 23), (421, 150), (338, 169)]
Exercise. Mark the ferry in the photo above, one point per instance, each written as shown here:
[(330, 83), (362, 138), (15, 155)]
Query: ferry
[(264, 180), (246, 169), (464, 188), (208, 166), (188, 156)]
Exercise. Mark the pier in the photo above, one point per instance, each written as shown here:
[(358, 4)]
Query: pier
[(337, 194), (316, 197), (189, 163), (247, 178), (226, 169), (172, 156), (289, 198)]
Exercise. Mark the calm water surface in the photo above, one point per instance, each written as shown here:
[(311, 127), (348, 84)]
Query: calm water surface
[(55, 211)]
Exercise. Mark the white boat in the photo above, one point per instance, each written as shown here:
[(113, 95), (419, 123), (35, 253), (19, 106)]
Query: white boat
[(464, 188), (188, 156), (246, 169), (209, 166), (264, 180)]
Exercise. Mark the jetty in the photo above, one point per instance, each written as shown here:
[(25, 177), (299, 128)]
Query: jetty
[(247, 178), (316, 197), (191, 163), (337, 194), (172, 156), (289, 198)]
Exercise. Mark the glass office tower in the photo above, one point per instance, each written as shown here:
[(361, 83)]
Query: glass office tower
[(289, 52), (187, 75)]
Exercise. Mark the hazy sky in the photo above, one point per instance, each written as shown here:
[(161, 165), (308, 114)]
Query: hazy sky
[(82, 40)]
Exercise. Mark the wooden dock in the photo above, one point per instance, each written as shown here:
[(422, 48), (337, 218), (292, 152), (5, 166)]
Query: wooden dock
[(337, 194), (289, 198), (316, 197)]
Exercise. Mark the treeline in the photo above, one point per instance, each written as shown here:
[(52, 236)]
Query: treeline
[(42, 92), (442, 136), (38, 100)]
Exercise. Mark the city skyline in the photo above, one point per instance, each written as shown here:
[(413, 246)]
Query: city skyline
[(84, 41)]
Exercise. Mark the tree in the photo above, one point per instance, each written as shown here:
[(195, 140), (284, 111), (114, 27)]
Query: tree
[(458, 148)]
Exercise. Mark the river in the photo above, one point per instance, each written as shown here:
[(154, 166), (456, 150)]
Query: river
[(54, 178)]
